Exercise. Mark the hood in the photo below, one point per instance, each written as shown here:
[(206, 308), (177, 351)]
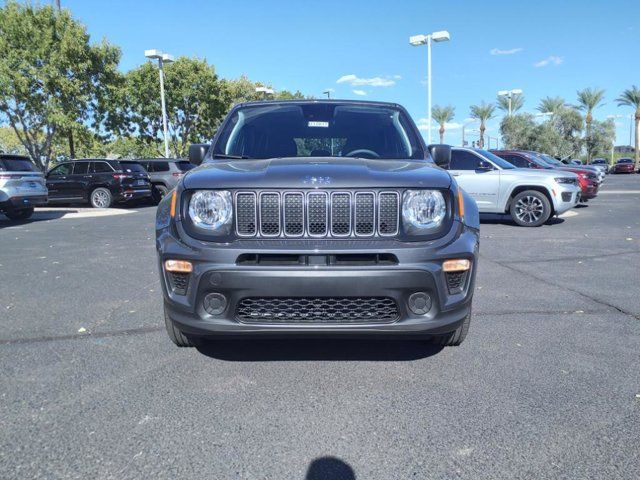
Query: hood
[(541, 173), (316, 172)]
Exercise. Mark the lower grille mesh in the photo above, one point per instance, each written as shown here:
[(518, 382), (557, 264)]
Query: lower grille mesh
[(350, 310)]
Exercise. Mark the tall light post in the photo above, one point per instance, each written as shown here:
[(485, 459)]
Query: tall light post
[(509, 94), (265, 91), (327, 93), (162, 59), (418, 40)]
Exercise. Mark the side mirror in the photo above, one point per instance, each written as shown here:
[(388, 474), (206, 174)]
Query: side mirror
[(441, 154), (197, 151), (484, 166)]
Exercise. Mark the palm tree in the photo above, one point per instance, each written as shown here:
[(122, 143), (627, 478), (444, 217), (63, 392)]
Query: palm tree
[(482, 112), (551, 104), (442, 115), (517, 102), (588, 100), (631, 98)]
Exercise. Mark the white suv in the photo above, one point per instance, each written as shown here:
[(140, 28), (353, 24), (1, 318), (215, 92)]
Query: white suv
[(22, 187), (530, 196)]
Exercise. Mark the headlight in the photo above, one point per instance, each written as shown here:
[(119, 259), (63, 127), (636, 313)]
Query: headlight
[(423, 210), (211, 209), (566, 180)]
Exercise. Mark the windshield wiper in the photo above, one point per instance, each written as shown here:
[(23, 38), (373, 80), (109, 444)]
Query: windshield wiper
[(235, 157)]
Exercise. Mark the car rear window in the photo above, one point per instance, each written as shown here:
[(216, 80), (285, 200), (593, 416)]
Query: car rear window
[(132, 167), (185, 166), (16, 165)]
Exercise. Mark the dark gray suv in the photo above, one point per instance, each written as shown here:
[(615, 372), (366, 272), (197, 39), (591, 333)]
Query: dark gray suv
[(165, 173), (317, 218)]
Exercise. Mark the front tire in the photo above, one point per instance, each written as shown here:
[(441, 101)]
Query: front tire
[(158, 192), (530, 208), (176, 336), (455, 338), (19, 214), (101, 198)]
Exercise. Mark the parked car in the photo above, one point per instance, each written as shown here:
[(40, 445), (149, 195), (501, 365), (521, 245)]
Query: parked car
[(602, 164), (100, 182), (164, 173), (22, 187), (554, 162), (587, 179), (322, 217), (529, 196), (624, 165)]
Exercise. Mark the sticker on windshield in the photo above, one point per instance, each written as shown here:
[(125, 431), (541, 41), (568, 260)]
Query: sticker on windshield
[(319, 124)]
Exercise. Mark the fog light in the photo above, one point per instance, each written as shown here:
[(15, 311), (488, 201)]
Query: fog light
[(181, 266), (419, 303), (458, 265), (215, 303)]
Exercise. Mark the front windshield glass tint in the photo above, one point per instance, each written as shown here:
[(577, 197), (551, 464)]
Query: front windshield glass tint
[(319, 130), (501, 162)]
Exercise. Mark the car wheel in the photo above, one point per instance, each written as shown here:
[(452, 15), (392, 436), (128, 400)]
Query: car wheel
[(19, 214), (176, 336), (101, 198), (158, 192), (530, 208), (456, 337)]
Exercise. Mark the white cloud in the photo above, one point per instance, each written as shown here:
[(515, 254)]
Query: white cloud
[(329, 90), (511, 51), (359, 92), (355, 81), (550, 60)]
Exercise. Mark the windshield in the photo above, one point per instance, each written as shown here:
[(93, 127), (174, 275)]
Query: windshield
[(501, 162), (549, 160), (625, 160), (16, 165), (319, 130)]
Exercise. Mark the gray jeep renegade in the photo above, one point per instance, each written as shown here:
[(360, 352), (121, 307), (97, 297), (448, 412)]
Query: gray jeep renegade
[(317, 218)]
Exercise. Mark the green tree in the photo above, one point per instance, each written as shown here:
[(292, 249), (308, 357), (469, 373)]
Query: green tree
[(443, 115), (551, 105), (518, 131), (483, 112), (517, 102), (196, 101), (9, 142), (631, 98), (600, 141), (51, 77), (588, 100)]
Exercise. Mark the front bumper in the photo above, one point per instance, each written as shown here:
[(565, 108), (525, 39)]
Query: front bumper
[(565, 198), (419, 269)]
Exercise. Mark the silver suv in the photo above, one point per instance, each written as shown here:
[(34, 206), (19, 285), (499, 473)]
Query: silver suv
[(529, 196), (165, 173), (22, 187)]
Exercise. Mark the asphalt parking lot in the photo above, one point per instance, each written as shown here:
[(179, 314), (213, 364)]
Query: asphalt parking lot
[(547, 384)]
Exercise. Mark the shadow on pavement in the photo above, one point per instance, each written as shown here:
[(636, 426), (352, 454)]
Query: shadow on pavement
[(496, 218), (38, 216), (329, 468), (296, 349)]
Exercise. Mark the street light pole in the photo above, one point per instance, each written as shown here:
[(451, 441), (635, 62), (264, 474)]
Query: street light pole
[(418, 40), (162, 59), (509, 94), (327, 93)]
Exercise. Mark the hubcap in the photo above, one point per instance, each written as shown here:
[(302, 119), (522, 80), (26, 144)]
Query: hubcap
[(100, 199), (529, 209)]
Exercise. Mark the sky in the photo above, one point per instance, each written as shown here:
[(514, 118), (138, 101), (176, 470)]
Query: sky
[(360, 49)]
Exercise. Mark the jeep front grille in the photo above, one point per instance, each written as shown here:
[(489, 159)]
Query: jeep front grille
[(288, 310), (317, 213)]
